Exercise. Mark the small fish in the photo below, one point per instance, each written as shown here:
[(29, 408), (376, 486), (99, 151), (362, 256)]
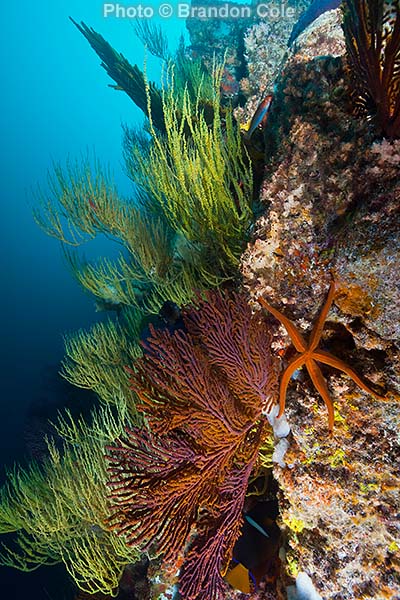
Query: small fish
[(241, 578), (260, 116), (256, 551), (315, 10), (256, 525)]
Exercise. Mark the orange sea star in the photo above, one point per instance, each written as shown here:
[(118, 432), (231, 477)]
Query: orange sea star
[(309, 354)]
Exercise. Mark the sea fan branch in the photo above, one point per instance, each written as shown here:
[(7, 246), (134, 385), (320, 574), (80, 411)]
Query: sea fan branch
[(179, 487)]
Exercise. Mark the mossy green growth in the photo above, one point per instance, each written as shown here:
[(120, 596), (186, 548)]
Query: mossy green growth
[(58, 511), (340, 420), (81, 204), (266, 451), (294, 524), (292, 565), (368, 487), (337, 459)]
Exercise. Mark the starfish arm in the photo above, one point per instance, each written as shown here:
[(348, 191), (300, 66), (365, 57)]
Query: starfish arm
[(295, 363), (337, 363), (297, 339), (320, 384), (319, 325)]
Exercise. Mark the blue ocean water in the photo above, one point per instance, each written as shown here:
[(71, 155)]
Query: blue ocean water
[(54, 104)]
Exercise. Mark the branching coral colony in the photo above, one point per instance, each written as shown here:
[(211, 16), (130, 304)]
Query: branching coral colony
[(179, 486), (184, 427), (59, 510), (189, 222)]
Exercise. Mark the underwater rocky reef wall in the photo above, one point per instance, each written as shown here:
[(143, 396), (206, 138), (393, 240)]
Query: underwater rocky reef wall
[(209, 426), (332, 195)]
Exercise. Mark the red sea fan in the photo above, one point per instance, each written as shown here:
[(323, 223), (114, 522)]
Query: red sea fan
[(372, 33), (179, 487)]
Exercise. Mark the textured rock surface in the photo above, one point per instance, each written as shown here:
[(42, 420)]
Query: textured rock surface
[(221, 39), (265, 45), (323, 37), (332, 199)]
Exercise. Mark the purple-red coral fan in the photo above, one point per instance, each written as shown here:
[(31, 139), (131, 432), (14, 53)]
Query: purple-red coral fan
[(178, 486)]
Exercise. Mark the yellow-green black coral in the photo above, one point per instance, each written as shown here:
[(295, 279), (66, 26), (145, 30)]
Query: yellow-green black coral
[(58, 511)]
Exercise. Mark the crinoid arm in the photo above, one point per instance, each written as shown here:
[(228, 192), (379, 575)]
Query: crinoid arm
[(372, 34)]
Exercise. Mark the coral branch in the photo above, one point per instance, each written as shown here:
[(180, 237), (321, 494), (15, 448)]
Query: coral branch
[(126, 76), (180, 486)]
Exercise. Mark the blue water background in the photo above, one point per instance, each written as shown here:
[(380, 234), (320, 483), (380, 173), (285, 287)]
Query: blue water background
[(55, 104)]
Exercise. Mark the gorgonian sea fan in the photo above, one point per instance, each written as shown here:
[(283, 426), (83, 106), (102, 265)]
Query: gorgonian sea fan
[(179, 486), (372, 33)]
